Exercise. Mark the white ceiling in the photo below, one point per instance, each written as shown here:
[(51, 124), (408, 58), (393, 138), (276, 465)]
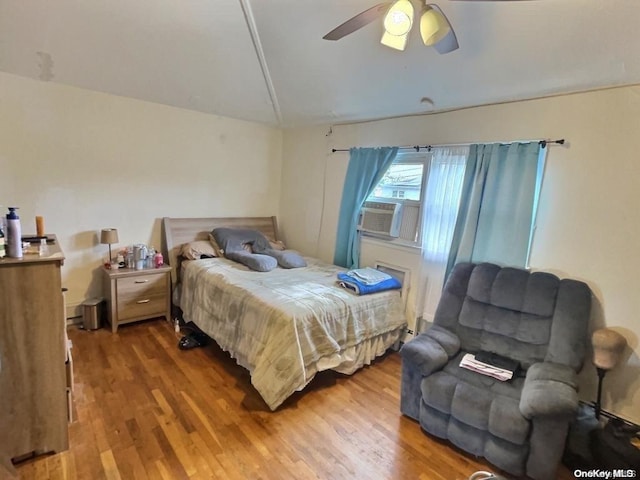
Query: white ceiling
[(265, 60)]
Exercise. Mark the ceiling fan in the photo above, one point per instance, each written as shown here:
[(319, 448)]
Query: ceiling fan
[(435, 29)]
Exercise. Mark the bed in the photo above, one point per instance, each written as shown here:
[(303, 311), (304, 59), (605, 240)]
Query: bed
[(285, 325)]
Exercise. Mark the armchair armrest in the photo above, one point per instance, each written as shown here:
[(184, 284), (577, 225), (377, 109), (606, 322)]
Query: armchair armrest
[(550, 389), (431, 350)]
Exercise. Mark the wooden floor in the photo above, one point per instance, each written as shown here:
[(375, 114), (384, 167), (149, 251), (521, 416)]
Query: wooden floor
[(146, 410)]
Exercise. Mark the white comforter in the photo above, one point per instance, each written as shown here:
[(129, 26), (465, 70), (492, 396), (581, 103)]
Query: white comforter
[(286, 325)]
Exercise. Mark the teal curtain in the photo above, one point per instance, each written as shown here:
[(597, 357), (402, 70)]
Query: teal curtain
[(496, 213), (366, 168)]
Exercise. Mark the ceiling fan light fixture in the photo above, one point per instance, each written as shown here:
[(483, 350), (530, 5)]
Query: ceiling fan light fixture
[(433, 26), (399, 18), (398, 42), (397, 25), (448, 44)]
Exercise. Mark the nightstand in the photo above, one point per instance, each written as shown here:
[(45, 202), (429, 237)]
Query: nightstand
[(134, 295)]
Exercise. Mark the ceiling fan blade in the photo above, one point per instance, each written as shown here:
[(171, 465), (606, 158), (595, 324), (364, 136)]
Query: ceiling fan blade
[(357, 22)]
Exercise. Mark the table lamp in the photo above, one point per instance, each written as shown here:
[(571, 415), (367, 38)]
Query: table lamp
[(608, 346), (109, 236)]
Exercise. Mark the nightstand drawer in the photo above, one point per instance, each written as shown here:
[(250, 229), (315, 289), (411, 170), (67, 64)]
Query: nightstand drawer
[(134, 295), (141, 296)]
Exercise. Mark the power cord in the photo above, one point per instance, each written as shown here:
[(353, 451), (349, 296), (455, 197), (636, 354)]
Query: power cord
[(483, 475)]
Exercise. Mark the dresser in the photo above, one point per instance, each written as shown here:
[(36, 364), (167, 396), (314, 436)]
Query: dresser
[(134, 295), (33, 356)]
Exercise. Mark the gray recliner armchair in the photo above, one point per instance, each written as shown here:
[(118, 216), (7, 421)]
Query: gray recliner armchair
[(520, 426)]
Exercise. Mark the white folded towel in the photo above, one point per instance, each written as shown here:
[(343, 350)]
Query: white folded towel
[(368, 275)]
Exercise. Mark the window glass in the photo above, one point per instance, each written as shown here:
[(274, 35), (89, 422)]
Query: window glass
[(424, 183), (401, 181)]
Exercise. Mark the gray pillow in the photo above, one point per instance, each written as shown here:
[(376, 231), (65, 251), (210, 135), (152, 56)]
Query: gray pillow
[(234, 239), (255, 261), (287, 258)]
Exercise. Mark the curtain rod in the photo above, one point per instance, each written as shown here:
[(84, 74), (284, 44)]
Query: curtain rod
[(417, 148)]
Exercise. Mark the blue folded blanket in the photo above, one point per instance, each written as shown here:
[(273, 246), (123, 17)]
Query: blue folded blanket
[(360, 288)]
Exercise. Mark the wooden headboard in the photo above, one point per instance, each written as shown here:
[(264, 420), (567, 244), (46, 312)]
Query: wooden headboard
[(177, 231)]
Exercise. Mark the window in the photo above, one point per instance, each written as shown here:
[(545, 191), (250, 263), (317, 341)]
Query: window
[(441, 203), (404, 183), (426, 185)]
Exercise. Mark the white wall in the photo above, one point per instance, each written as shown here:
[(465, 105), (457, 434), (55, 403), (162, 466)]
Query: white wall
[(86, 160), (588, 220)]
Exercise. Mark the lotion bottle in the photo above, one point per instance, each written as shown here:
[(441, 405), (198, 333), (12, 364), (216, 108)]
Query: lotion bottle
[(14, 234)]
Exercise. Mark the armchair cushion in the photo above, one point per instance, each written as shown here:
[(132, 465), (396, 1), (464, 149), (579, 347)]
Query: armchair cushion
[(479, 401), (431, 350), (549, 389)]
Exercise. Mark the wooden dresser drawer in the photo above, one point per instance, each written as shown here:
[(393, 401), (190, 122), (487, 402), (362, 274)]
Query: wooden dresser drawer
[(141, 296)]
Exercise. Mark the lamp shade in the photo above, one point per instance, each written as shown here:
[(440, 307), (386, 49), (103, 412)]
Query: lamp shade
[(398, 42), (433, 26), (608, 346), (109, 236), (448, 44)]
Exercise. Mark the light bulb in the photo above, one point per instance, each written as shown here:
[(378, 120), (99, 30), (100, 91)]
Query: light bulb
[(399, 18), (398, 23)]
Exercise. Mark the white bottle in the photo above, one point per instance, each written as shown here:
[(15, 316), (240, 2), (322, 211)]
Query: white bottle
[(3, 248), (43, 249), (14, 234)]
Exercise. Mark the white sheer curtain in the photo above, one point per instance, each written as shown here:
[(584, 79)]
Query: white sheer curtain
[(439, 211)]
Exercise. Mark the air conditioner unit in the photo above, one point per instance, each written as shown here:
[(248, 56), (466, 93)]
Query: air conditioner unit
[(383, 218)]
